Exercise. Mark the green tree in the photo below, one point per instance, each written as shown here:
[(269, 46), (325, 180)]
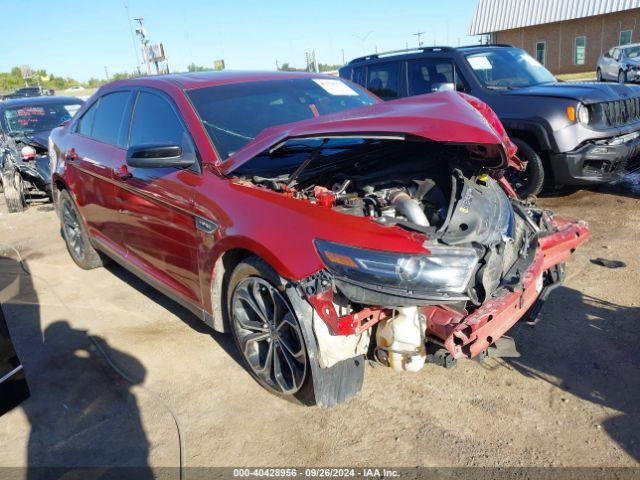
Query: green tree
[(192, 67)]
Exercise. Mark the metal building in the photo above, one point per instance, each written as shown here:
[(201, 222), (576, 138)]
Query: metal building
[(567, 36)]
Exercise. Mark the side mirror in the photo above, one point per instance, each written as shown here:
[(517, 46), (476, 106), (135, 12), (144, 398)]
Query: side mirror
[(445, 87), (159, 156)]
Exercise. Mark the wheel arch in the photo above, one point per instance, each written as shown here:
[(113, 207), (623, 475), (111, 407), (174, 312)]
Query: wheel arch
[(229, 253)]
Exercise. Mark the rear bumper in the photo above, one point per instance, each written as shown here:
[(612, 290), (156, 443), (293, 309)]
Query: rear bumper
[(474, 333), (595, 163)]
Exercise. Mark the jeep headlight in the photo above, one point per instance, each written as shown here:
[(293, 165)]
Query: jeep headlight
[(583, 114), (443, 270)]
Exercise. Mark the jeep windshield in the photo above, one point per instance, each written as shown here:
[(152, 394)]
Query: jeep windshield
[(235, 114), (507, 68), (38, 118)]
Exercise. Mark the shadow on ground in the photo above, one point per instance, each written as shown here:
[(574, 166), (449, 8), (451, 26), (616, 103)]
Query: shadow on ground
[(592, 347), (81, 412)]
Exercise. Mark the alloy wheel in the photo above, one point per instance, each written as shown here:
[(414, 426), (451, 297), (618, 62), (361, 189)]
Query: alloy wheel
[(269, 335), (72, 231)]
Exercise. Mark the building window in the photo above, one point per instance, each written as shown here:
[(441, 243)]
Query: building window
[(541, 52), (625, 37), (579, 50)]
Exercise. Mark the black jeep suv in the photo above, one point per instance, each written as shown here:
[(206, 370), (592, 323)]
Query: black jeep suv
[(569, 133)]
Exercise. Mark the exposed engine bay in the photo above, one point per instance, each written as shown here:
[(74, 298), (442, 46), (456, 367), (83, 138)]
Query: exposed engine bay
[(440, 190)]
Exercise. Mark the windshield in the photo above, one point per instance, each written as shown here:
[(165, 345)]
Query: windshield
[(508, 68), (632, 52), (235, 114), (38, 118)]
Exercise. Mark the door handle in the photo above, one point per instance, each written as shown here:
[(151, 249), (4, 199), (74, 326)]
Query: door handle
[(123, 173)]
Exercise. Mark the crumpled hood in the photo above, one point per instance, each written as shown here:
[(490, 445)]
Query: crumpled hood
[(442, 117), (39, 139), (587, 92)]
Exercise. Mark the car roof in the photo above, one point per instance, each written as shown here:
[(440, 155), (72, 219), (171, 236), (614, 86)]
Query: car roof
[(628, 45), (42, 100), (427, 51), (193, 80)]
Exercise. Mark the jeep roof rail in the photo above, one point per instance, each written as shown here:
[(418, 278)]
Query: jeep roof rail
[(398, 52), (480, 45)]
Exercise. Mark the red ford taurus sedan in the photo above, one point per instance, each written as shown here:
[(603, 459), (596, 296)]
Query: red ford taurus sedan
[(318, 225)]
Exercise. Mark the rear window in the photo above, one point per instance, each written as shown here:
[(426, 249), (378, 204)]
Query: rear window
[(235, 114)]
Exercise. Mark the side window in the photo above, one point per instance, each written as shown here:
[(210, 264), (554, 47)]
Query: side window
[(85, 124), (383, 79), (541, 52), (109, 118), (155, 122), (358, 75), (579, 50), (625, 37), (428, 74)]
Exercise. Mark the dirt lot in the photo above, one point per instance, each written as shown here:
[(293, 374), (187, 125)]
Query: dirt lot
[(572, 399)]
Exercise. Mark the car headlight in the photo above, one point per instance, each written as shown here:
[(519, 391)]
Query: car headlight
[(443, 270), (583, 114)]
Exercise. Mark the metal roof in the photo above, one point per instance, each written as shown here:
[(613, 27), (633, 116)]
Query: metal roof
[(498, 15)]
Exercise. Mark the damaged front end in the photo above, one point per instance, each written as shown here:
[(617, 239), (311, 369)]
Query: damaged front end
[(30, 158), (486, 258)]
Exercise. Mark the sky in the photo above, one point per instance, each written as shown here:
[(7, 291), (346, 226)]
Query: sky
[(80, 38)]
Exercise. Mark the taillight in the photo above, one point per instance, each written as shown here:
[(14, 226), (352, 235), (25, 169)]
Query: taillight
[(28, 153)]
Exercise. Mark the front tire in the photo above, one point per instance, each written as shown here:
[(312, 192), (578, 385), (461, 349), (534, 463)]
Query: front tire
[(14, 193), (267, 332), (622, 76), (531, 181), (75, 234)]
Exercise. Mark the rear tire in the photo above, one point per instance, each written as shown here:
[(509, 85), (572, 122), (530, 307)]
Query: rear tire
[(267, 333), (530, 181), (75, 234), (14, 194)]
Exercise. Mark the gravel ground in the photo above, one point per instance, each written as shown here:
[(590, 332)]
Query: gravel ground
[(571, 399)]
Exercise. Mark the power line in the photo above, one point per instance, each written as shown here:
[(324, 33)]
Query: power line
[(133, 39)]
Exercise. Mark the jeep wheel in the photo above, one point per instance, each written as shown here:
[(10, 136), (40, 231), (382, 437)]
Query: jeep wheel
[(14, 195), (622, 76), (267, 333), (530, 181), (75, 234), (599, 75)]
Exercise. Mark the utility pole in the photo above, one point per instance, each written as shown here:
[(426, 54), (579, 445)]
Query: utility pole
[(106, 73), (419, 35), (342, 55), (142, 34)]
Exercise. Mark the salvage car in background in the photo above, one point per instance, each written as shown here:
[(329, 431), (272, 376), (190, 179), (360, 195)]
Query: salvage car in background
[(620, 64), (317, 224), (568, 133), (25, 124), (28, 92)]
